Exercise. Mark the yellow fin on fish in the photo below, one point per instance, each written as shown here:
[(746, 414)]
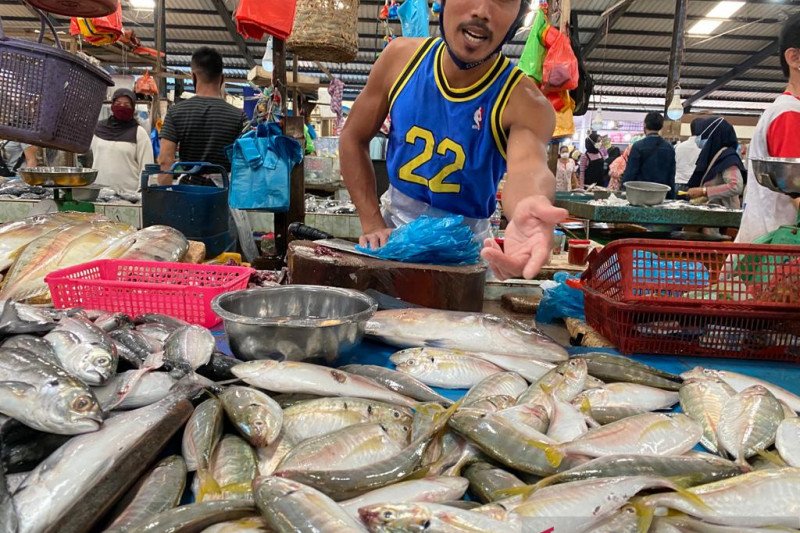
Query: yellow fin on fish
[(208, 485)]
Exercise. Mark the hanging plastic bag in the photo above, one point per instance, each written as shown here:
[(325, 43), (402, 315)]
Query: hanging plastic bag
[(532, 59), (562, 299), (261, 165), (146, 85), (431, 240), (99, 31), (560, 69), (565, 123), (414, 18), (254, 18)]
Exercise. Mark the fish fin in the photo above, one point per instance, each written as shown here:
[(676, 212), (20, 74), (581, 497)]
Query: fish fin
[(658, 426), (772, 457), (551, 452), (547, 389), (545, 482), (208, 485), (684, 481), (644, 515), (742, 463), (421, 473), (693, 498), (436, 343), (585, 406), (237, 488), (17, 388), (524, 491)]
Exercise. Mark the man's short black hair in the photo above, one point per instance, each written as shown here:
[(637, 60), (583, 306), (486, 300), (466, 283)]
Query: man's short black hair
[(207, 64), (654, 121), (790, 38), (695, 126)]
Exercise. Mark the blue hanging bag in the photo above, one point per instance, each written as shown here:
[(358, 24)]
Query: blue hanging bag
[(261, 166)]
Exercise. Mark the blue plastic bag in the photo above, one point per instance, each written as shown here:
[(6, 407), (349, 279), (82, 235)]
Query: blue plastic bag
[(431, 240), (155, 142), (648, 267), (261, 166), (561, 301), (414, 18)]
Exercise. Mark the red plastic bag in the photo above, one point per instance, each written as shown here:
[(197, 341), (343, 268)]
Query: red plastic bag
[(560, 70), (146, 85), (99, 30), (254, 18)]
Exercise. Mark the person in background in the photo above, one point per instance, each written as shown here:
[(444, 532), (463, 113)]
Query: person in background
[(565, 170), (121, 147), (201, 127), (14, 156), (686, 154), (776, 135), (719, 174), (653, 158), (591, 162)]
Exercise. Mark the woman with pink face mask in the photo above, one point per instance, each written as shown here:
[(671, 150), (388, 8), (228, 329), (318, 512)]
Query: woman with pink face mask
[(121, 147)]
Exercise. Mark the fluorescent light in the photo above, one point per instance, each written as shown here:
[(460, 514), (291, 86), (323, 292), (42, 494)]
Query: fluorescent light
[(148, 5), (725, 10), (704, 27)]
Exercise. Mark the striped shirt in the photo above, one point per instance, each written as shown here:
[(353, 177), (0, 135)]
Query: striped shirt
[(202, 127)]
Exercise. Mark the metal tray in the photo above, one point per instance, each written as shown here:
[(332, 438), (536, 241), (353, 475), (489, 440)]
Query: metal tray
[(778, 174), (58, 176)]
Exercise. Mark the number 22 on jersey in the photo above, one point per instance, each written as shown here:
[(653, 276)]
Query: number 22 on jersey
[(437, 183)]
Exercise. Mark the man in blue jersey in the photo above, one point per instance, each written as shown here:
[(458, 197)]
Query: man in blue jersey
[(461, 117)]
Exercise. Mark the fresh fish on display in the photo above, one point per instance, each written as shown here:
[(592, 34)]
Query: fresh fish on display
[(499, 384), (84, 350), (684, 470), (78, 484), (649, 433), (37, 345), (681, 523), (531, 415), (430, 489), (161, 489), (493, 404), (292, 377), (12, 323), (625, 520), (233, 467), (565, 382), (443, 368), (398, 382), (767, 498), (146, 389), (253, 524), (434, 518), (202, 433), (288, 506), (257, 416), (739, 382), (155, 243), (8, 513), (22, 447), (271, 456), (219, 367), (530, 369), (567, 423), (616, 401), (43, 396), (787, 441), (198, 516), (187, 349), (109, 322), (488, 482), (470, 332), (703, 400), (455, 458), (15, 236), (159, 321), (613, 368), (313, 418), (136, 343), (749, 422)]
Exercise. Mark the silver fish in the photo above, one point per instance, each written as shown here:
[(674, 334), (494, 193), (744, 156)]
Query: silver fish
[(202, 433), (443, 368), (500, 384), (253, 524), (160, 490), (565, 382), (566, 423), (436, 518), (196, 516), (703, 400), (289, 506), (740, 382), (271, 456), (84, 350), (37, 345), (615, 401), (530, 369), (292, 376), (614, 368), (41, 395), (470, 332), (187, 349), (234, 467), (155, 243), (148, 389), (487, 482), (749, 422), (787, 441), (399, 382), (257, 416), (429, 489)]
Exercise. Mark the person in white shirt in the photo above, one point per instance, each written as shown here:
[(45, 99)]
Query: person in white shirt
[(121, 147), (686, 154)]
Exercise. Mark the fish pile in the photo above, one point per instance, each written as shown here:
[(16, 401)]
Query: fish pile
[(35, 246), (539, 441)]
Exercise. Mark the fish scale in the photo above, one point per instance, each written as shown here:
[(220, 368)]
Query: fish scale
[(499, 384), (749, 422)]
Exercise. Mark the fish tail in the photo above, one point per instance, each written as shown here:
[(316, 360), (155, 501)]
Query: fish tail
[(742, 463), (553, 453), (524, 491), (693, 498), (644, 514), (208, 485), (772, 457)]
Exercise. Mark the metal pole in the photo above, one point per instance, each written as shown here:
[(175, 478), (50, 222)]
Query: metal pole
[(161, 45), (676, 52), (281, 220)]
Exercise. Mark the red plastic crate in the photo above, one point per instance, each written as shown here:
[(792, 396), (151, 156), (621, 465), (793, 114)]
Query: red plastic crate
[(696, 298), (180, 290)]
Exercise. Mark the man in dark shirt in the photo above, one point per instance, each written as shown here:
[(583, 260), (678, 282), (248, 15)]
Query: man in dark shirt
[(653, 158), (201, 127)]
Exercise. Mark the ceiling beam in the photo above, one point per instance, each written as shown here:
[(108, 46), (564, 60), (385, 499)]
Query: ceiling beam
[(605, 26), (225, 15), (732, 74)]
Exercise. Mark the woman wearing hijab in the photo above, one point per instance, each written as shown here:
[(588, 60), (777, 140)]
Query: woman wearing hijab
[(121, 147), (591, 163), (719, 174)]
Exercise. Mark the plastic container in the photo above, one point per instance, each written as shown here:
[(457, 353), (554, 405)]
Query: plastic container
[(578, 252), (696, 298), (180, 290), (558, 242)]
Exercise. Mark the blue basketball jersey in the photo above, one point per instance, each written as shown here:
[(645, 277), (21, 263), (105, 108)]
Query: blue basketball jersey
[(447, 146)]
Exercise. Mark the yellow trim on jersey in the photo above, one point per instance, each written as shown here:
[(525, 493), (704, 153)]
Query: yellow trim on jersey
[(473, 91), (496, 120), (405, 75)]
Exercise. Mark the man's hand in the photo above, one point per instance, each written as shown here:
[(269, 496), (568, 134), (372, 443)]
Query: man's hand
[(528, 239), (375, 239)]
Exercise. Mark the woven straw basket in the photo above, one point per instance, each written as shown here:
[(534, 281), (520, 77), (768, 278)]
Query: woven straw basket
[(325, 30)]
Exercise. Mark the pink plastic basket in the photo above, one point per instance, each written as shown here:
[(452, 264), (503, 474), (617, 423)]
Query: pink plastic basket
[(180, 290)]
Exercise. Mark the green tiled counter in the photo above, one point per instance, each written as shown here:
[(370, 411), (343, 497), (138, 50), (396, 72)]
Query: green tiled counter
[(651, 215)]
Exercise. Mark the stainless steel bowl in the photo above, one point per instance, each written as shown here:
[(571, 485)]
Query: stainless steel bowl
[(58, 176), (778, 174), (646, 193), (294, 322)]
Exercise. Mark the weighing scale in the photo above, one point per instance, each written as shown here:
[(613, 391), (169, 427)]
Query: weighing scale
[(73, 188)]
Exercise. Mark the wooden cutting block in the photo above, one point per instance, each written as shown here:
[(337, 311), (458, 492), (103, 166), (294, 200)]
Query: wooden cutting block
[(456, 288)]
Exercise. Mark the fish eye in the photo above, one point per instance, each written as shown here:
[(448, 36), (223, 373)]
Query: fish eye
[(411, 362), (81, 403), (433, 360), (258, 423), (388, 515), (426, 524), (53, 383), (369, 409), (396, 414), (103, 361)]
